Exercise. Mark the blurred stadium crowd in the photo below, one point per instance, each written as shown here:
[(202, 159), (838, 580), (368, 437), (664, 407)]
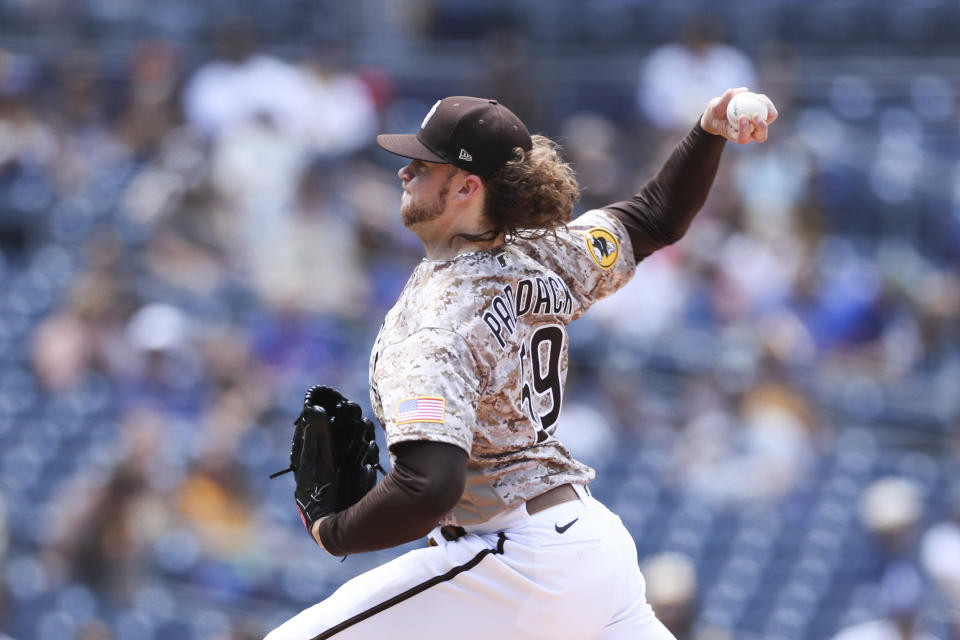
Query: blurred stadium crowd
[(195, 226)]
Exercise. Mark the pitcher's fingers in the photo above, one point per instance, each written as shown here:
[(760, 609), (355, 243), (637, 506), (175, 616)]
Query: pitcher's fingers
[(760, 129), (744, 132), (772, 113)]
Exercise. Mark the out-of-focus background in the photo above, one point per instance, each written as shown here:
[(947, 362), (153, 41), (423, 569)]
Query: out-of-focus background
[(196, 225)]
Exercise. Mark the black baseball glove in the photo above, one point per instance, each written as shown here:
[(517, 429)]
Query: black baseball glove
[(334, 456)]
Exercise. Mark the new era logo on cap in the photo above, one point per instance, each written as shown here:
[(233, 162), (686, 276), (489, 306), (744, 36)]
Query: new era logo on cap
[(490, 130)]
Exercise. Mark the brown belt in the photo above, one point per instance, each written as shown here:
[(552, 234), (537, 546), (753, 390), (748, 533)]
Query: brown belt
[(551, 497), (536, 504)]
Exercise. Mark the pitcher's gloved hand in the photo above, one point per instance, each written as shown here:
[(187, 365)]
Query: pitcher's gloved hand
[(334, 456)]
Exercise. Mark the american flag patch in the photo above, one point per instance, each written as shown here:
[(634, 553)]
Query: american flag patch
[(420, 409)]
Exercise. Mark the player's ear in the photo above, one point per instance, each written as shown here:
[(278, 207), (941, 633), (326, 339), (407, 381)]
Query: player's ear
[(470, 185)]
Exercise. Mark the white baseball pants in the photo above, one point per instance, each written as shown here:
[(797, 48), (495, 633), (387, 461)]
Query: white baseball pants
[(568, 572)]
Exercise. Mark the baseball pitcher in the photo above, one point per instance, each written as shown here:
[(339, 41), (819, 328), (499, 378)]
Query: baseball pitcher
[(467, 378)]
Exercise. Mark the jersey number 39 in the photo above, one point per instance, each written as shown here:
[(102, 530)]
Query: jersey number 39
[(544, 351)]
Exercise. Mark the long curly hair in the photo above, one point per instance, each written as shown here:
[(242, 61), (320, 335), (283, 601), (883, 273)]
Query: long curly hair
[(531, 195)]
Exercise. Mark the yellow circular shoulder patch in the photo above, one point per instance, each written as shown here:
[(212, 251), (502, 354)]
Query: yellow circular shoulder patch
[(603, 247)]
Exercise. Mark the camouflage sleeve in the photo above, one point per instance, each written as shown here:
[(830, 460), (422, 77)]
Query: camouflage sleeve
[(597, 258), (429, 386)]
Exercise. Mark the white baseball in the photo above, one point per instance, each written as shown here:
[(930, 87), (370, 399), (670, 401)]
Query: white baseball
[(747, 105)]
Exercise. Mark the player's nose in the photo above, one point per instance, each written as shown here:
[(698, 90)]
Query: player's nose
[(406, 171)]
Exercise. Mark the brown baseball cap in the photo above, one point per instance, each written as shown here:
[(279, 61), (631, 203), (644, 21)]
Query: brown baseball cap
[(476, 134)]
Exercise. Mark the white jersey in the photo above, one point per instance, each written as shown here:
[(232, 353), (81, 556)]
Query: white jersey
[(474, 354)]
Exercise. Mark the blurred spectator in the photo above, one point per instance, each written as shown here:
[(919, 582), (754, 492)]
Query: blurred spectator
[(336, 113), (900, 599), (94, 630), (255, 168), (238, 393), (298, 348), (508, 75), (84, 335), (17, 74), (80, 94), (164, 371), (25, 139), (329, 110), (758, 447), (840, 299), (228, 360), (940, 556), (241, 85), (87, 149), (258, 164), (175, 174), (192, 246), (309, 261), (591, 144), (103, 524), (677, 79), (591, 444), (891, 508), (773, 187), (647, 307), (214, 502), (151, 111), (671, 580), (388, 250), (934, 304)]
